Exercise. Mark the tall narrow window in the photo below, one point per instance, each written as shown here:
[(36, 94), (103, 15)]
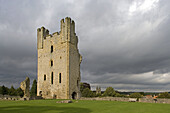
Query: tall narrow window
[(51, 49), (52, 78), (44, 77), (51, 63), (60, 78)]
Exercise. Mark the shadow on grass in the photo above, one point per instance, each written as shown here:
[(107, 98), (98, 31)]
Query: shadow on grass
[(43, 109)]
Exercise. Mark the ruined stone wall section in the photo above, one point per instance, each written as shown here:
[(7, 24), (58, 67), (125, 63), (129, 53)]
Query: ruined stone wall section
[(145, 100), (64, 51), (74, 65)]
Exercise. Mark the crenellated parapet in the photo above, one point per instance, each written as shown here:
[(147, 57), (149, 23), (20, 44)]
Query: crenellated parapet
[(68, 30), (66, 34), (67, 25), (41, 35)]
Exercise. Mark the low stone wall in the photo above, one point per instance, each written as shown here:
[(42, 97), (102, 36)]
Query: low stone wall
[(36, 98), (106, 98), (146, 100), (8, 97), (158, 100)]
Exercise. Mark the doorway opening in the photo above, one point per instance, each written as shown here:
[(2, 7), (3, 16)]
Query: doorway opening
[(74, 95), (40, 93)]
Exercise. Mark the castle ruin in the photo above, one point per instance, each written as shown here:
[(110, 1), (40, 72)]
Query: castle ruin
[(58, 62)]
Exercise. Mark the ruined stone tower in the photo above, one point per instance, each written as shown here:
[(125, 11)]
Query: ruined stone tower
[(58, 62)]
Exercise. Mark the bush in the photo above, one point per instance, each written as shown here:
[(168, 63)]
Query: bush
[(87, 93), (142, 93), (81, 87), (12, 91), (84, 86), (0, 89), (164, 95), (98, 95), (109, 92), (135, 95), (118, 95)]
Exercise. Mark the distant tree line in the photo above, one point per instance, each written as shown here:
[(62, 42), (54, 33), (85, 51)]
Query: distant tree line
[(18, 92), (11, 91), (164, 95), (87, 92), (109, 92)]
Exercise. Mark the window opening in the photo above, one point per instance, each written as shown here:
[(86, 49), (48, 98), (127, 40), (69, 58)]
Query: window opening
[(44, 77), (51, 63), (51, 49), (60, 78), (52, 78)]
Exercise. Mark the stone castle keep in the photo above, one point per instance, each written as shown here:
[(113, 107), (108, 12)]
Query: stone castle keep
[(58, 62)]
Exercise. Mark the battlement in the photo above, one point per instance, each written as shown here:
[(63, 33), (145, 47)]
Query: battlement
[(41, 35), (43, 32), (66, 33), (67, 19), (67, 25)]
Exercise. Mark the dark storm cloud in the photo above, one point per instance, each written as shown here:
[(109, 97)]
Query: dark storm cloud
[(18, 42), (124, 44)]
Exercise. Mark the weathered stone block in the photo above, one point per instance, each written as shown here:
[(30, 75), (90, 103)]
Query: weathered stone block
[(65, 101)]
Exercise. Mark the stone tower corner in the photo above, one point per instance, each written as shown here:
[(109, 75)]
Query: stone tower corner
[(41, 35), (67, 29)]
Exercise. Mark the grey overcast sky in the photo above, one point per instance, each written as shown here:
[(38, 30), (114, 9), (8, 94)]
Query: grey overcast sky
[(125, 44)]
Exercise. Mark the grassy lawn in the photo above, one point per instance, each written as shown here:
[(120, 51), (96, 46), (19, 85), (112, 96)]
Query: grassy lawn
[(82, 106)]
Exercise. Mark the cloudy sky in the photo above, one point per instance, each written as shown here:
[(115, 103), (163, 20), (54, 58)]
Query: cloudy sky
[(125, 44)]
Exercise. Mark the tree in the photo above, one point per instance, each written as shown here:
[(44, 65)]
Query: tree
[(4, 90), (84, 86), (87, 93), (98, 95), (12, 91), (81, 87), (34, 88), (164, 95), (135, 95), (0, 89), (109, 92), (118, 95), (20, 92), (142, 93)]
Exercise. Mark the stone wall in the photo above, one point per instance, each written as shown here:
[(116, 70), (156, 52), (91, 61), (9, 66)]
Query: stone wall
[(158, 100), (146, 100), (107, 98), (8, 97)]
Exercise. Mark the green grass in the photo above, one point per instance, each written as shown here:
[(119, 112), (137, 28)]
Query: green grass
[(82, 106)]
